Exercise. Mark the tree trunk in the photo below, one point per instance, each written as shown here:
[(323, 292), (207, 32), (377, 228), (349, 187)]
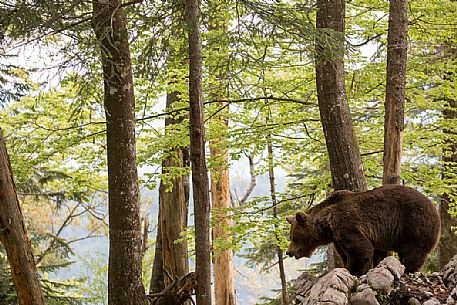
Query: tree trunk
[(448, 239), (173, 201), (197, 157), (224, 286), (157, 277), (14, 238), (271, 175), (397, 48), (345, 161), (125, 284), (173, 208)]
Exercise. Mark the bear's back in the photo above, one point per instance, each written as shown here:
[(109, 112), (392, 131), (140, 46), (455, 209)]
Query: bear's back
[(333, 199), (389, 215)]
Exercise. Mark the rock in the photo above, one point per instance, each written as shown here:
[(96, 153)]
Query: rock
[(362, 287), (436, 278), (413, 301), (301, 286), (393, 265), (381, 279), (449, 272), (332, 289), (432, 301), (385, 284), (454, 293), (364, 297)]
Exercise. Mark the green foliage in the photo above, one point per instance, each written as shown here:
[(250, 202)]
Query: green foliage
[(55, 291), (12, 83), (95, 288), (432, 264), (270, 301), (57, 169), (7, 293)]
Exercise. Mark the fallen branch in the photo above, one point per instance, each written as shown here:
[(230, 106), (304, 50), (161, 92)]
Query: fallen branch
[(177, 293)]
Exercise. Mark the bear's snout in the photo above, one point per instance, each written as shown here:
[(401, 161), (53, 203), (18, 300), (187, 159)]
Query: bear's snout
[(289, 253)]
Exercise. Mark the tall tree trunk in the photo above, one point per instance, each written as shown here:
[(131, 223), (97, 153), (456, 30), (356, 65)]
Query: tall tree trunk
[(157, 277), (14, 238), (345, 160), (125, 284), (197, 157), (224, 285), (397, 48), (173, 210), (224, 282), (448, 239), (173, 201), (271, 176)]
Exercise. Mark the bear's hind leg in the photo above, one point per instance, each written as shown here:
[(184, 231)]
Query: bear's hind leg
[(412, 260)]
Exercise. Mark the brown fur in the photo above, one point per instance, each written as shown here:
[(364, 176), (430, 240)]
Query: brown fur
[(365, 226)]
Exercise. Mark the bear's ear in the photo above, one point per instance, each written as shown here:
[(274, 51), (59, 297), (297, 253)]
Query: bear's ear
[(301, 217), (290, 219)]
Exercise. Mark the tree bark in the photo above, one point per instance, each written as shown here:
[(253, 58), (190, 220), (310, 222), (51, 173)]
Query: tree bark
[(397, 48), (174, 206), (224, 286), (271, 176), (13, 236), (157, 277), (197, 157), (125, 284), (345, 160), (224, 282), (448, 238)]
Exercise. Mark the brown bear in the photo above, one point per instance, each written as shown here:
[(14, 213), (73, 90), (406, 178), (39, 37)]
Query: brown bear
[(365, 226)]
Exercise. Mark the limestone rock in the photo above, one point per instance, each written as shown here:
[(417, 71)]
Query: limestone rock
[(414, 301), (450, 272), (393, 265), (384, 285), (331, 289), (301, 286), (432, 301), (364, 297), (381, 279)]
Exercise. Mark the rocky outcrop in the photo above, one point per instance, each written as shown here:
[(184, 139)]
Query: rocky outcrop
[(384, 285)]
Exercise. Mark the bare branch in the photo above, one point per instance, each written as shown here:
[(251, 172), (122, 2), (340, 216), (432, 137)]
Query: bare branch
[(252, 182), (228, 102), (64, 224)]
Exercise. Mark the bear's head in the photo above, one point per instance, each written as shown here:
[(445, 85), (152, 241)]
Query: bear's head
[(303, 236)]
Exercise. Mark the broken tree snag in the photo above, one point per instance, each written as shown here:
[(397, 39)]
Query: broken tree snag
[(397, 49), (14, 238), (177, 293)]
